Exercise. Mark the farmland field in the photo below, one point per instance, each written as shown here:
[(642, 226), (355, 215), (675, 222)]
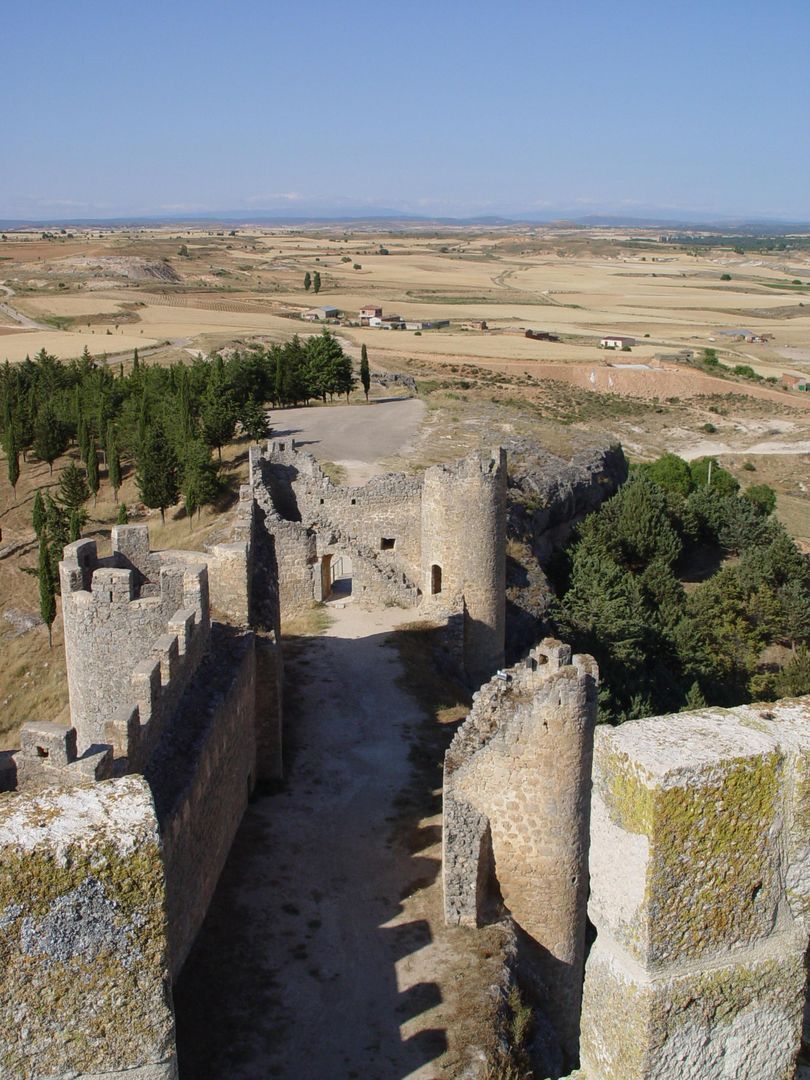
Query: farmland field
[(178, 294)]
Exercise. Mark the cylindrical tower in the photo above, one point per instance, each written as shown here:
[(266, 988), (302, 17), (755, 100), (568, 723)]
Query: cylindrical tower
[(464, 551)]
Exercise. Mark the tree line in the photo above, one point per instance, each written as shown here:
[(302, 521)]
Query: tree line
[(166, 422), (688, 592)]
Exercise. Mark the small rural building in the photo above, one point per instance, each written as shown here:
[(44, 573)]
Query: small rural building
[(319, 314), (426, 324), (370, 311), (390, 322), (616, 342), (475, 324), (796, 382), (541, 335), (739, 333)]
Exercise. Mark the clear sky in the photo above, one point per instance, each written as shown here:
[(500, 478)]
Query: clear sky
[(448, 107)]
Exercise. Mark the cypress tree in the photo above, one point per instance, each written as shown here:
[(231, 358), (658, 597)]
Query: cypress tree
[(49, 435), (74, 525), (365, 375), (122, 518), (13, 455), (136, 364), (92, 470), (113, 461), (157, 474), (47, 590), (307, 281), (316, 282), (83, 439), (199, 477), (38, 514)]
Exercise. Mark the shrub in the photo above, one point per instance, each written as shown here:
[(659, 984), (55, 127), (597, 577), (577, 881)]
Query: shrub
[(725, 277)]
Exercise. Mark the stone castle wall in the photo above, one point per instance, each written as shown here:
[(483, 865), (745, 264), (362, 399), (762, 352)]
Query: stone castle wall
[(201, 798), (426, 541), (700, 893), (516, 788)]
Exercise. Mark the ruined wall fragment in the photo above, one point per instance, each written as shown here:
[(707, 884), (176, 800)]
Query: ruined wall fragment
[(516, 792)]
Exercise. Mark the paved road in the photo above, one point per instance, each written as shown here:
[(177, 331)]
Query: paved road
[(355, 436)]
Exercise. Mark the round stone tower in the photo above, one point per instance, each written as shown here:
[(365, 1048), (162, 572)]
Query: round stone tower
[(464, 551)]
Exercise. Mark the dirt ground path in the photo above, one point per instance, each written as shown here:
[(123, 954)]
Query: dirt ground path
[(309, 966)]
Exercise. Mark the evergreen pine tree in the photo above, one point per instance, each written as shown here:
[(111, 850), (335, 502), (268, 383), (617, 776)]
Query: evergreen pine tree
[(157, 472), (92, 470), (13, 456), (365, 375), (199, 484), (50, 439), (83, 438), (73, 489), (38, 514), (47, 591), (74, 525), (694, 699), (218, 414), (253, 419), (113, 462)]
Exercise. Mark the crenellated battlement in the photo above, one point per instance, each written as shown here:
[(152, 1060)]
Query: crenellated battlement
[(114, 611)]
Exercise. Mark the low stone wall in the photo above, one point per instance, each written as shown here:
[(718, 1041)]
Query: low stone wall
[(84, 979), (700, 894), (516, 786)]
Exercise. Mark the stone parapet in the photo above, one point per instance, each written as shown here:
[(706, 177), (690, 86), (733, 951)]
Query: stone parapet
[(700, 847)]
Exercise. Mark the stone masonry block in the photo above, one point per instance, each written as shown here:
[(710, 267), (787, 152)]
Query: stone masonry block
[(166, 650), (737, 1021), (682, 855), (51, 744), (84, 978)]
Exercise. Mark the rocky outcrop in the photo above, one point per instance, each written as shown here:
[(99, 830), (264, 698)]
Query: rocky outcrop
[(547, 497)]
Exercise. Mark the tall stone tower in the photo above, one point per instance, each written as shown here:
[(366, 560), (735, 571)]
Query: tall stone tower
[(464, 551)]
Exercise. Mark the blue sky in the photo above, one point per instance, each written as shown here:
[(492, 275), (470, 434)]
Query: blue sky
[(442, 107)]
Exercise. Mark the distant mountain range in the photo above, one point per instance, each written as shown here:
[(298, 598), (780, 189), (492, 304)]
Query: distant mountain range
[(385, 217)]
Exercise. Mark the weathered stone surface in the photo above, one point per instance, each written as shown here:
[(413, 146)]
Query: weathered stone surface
[(516, 785), (84, 982), (736, 1021), (699, 887)]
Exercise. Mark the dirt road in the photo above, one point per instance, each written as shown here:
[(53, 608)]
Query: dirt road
[(308, 963)]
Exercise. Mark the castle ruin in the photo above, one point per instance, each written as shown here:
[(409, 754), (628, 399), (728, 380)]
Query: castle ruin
[(690, 831)]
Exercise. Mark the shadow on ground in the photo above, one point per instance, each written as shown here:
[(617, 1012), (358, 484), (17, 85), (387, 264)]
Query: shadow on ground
[(295, 972)]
